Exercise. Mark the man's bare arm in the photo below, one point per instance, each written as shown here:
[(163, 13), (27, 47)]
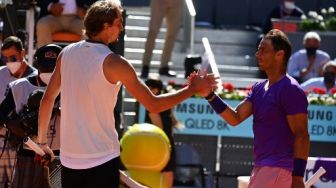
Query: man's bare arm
[(47, 102), (298, 123), (117, 69), (238, 115)]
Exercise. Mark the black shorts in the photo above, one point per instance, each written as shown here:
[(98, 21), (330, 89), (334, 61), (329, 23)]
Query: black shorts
[(103, 176)]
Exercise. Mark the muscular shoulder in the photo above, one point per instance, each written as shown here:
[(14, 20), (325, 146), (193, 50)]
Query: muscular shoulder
[(289, 82), (116, 68), (290, 88), (292, 97), (114, 62)]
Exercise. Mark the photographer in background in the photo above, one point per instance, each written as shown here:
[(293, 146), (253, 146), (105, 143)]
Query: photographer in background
[(16, 66), (13, 110)]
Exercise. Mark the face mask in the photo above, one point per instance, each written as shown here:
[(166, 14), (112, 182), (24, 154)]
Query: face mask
[(329, 77), (45, 77), (289, 5), (13, 67), (311, 51)]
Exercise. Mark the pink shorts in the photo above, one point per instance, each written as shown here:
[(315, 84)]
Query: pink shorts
[(270, 177)]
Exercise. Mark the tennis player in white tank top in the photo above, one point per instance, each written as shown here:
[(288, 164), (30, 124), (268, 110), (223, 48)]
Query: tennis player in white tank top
[(89, 76)]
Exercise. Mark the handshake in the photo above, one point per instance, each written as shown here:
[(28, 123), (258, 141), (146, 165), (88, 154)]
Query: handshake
[(203, 83)]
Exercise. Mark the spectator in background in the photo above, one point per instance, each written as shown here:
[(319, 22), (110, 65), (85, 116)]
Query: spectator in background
[(24, 95), (307, 63), (12, 54), (171, 10), (60, 15), (285, 10), (165, 120), (327, 82)]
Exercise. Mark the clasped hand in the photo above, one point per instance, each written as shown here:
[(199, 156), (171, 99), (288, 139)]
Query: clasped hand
[(202, 83)]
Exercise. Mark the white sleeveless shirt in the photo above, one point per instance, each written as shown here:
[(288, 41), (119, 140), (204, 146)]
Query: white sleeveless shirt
[(88, 134)]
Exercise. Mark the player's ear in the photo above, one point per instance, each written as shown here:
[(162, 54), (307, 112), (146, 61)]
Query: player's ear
[(280, 53)]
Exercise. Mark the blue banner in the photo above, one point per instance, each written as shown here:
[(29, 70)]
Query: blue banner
[(199, 118)]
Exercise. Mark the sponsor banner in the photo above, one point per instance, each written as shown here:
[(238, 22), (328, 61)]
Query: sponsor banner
[(199, 118)]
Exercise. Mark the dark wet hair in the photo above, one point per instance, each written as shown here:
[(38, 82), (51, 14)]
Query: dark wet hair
[(280, 41)]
